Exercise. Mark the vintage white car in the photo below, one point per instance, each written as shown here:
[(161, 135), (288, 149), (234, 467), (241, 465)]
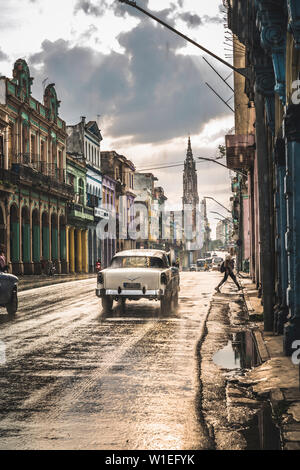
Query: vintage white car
[(139, 274)]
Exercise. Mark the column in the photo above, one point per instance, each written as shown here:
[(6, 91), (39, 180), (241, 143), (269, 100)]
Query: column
[(46, 242), (67, 248), (292, 189), (84, 240), (78, 251)]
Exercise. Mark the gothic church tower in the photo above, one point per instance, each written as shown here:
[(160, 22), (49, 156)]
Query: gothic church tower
[(190, 186)]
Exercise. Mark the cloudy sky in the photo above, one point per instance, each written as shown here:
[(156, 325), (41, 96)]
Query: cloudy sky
[(145, 84)]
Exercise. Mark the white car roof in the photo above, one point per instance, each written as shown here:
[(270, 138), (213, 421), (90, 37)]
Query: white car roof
[(141, 252)]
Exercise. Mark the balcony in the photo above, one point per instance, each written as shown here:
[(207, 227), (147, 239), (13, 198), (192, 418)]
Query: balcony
[(240, 150), (81, 212), (100, 213), (8, 178), (41, 175)]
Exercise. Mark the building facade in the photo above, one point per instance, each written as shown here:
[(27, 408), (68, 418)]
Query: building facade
[(34, 192), (121, 170), (270, 34), (84, 141)]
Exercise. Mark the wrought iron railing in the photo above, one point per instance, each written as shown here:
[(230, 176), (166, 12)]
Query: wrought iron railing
[(48, 169)]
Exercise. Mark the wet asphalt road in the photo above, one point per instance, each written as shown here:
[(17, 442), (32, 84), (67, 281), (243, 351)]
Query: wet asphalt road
[(76, 379)]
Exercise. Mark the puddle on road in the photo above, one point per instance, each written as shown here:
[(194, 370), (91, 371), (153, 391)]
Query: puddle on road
[(239, 353)]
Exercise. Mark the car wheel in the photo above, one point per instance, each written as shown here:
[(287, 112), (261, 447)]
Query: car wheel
[(12, 307), (123, 304), (107, 303), (175, 300)]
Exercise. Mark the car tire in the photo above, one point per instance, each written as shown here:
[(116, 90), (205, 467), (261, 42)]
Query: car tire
[(12, 307), (123, 305), (107, 303), (175, 300)]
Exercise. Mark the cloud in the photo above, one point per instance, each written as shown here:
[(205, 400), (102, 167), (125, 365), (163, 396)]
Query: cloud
[(3, 56), (192, 20), (91, 8), (148, 94), (213, 19)]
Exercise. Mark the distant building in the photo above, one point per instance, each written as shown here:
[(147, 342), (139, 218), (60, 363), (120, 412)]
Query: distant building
[(190, 198), (84, 144), (118, 168)]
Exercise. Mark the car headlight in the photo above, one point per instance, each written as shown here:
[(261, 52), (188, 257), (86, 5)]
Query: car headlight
[(163, 279), (100, 278)]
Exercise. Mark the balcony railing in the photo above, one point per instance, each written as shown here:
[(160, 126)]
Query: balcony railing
[(48, 169), (41, 174)]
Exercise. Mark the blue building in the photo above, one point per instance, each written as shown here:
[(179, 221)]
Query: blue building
[(270, 33)]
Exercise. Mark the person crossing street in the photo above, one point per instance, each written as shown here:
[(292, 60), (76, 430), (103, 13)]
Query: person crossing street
[(228, 271)]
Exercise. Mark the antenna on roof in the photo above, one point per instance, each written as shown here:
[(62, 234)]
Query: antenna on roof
[(44, 84)]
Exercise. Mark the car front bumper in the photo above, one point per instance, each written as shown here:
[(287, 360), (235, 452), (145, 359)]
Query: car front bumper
[(128, 293)]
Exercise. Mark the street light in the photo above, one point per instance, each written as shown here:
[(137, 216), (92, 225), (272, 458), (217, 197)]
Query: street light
[(221, 164), (224, 218), (213, 199)]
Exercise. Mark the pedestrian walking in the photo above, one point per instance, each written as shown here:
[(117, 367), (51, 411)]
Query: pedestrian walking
[(98, 266), (228, 271)]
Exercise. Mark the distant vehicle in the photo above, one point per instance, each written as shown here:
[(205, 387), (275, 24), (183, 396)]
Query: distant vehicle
[(200, 264), (139, 274), (9, 292), (209, 262), (216, 263), (193, 267), (214, 255)]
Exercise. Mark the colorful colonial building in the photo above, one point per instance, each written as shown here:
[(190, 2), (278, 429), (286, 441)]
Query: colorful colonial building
[(33, 189)]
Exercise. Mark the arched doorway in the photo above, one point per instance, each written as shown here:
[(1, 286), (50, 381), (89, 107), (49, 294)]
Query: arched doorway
[(25, 240), (15, 239), (45, 237), (54, 237), (63, 243), (36, 256)]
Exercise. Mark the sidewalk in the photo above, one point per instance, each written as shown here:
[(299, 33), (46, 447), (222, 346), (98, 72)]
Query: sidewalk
[(31, 282), (277, 378)]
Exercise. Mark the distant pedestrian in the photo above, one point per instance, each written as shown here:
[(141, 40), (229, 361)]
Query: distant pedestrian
[(98, 266), (228, 271)]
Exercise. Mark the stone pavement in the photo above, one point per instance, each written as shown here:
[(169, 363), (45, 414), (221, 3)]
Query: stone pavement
[(31, 282), (277, 378)]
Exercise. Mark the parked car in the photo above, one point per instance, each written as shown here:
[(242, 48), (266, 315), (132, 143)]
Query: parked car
[(216, 263), (200, 264), (139, 274), (9, 292)]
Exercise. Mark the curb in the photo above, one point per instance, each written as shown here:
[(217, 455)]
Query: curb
[(29, 285)]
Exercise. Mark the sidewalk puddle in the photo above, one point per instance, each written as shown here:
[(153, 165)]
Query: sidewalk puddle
[(239, 353)]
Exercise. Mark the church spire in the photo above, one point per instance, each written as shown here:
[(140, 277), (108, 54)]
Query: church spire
[(189, 153)]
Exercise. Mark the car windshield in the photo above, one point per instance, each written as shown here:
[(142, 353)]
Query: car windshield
[(218, 260), (137, 262)]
